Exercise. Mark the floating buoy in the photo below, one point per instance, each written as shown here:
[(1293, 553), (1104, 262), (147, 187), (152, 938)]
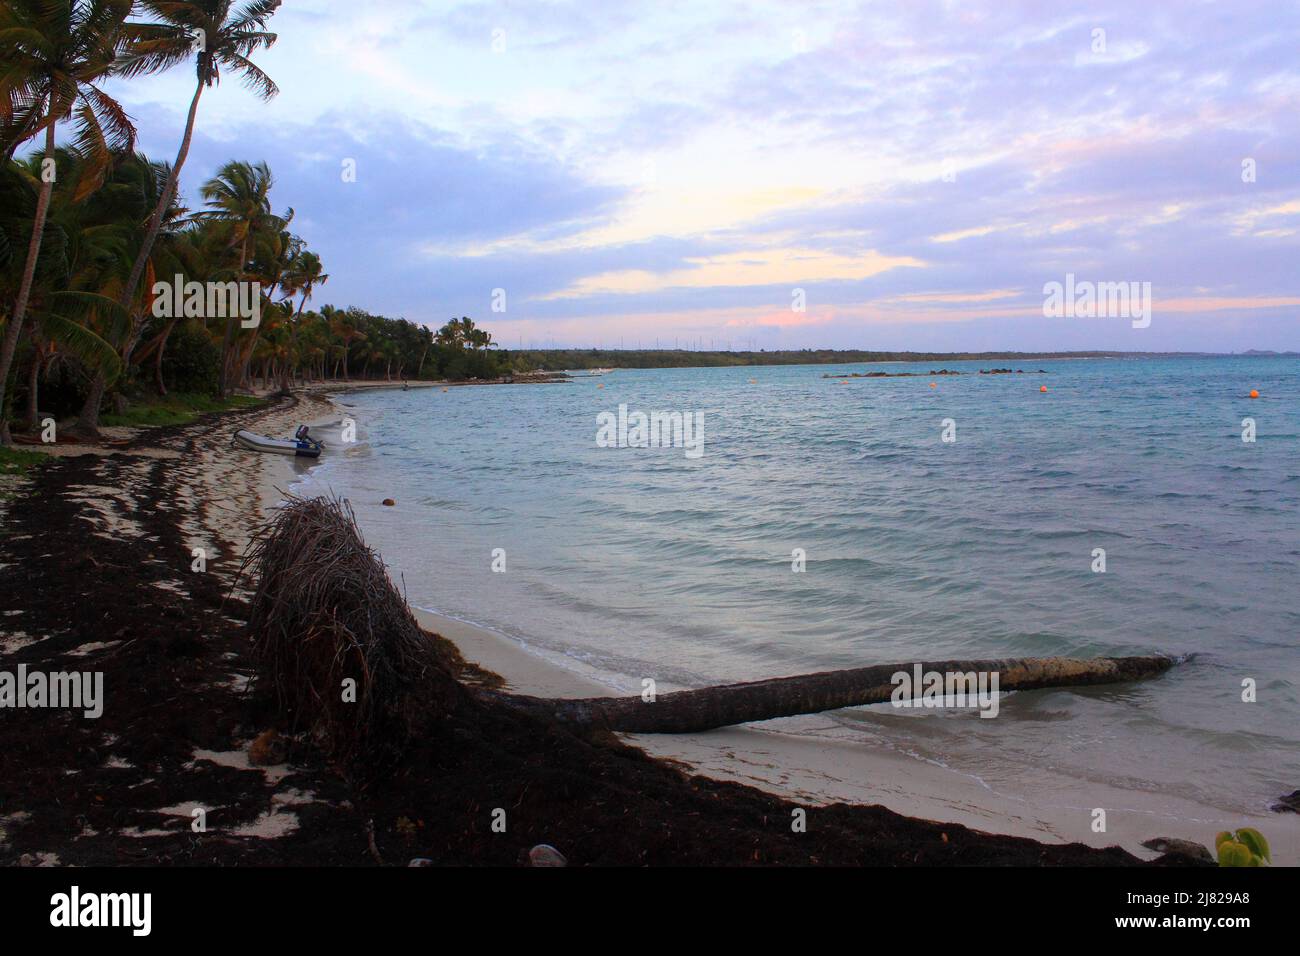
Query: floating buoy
[(934, 384), (389, 502), (600, 384), (1042, 388), (444, 388), (753, 381), (1254, 393)]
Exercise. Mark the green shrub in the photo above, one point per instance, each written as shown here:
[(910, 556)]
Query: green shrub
[(191, 360), (1244, 847)]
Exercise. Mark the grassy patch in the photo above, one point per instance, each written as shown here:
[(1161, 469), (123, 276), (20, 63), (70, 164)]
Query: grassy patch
[(14, 461), (177, 409)]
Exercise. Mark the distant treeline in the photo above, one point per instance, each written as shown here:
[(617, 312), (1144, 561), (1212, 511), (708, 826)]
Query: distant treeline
[(560, 359)]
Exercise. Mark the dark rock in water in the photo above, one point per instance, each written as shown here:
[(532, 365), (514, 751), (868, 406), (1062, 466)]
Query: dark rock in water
[(1180, 848), (389, 502), (844, 376), (1288, 804), (546, 855), (421, 861)]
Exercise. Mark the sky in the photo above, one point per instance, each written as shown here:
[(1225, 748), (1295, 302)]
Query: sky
[(913, 174)]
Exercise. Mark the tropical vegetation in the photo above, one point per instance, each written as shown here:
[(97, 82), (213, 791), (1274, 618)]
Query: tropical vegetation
[(93, 234)]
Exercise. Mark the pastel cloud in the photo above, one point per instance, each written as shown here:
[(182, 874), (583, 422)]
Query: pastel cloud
[(921, 169), (752, 268)]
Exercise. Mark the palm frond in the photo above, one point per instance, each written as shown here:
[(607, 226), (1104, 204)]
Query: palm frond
[(251, 74), (253, 14), (158, 50), (78, 339), (119, 131)]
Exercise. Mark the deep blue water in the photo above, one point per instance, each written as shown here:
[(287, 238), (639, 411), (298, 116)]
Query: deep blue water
[(629, 562)]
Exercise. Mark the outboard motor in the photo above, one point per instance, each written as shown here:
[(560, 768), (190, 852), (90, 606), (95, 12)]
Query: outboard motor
[(301, 433)]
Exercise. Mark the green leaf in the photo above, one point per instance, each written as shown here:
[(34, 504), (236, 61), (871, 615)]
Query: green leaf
[(1254, 840), (1232, 853), (83, 343)]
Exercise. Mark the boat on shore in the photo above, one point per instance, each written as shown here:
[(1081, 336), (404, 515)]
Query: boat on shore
[(301, 445)]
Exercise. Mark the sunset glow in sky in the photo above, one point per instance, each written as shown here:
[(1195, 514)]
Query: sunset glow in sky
[(633, 172)]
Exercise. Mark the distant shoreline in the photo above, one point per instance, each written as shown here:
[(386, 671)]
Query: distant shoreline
[(583, 359)]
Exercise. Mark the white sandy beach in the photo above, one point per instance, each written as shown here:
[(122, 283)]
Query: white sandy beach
[(807, 759)]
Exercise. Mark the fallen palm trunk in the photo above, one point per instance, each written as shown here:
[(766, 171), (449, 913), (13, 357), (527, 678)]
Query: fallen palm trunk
[(688, 711), (347, 660)]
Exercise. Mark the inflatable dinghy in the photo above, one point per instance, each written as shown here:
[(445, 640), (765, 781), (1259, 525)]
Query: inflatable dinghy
[(301, 446)]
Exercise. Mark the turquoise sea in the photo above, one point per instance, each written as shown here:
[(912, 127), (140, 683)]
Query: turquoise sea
[(627, 563)]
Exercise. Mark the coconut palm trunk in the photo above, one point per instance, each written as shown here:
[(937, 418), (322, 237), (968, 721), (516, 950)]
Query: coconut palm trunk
[(709, 708), (223, 389), (164, 200), (158, 382), (10, 344), (88, 420), (34, 387), (287, 381)]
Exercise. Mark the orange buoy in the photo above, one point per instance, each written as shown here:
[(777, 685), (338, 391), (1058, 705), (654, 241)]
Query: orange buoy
[(934, 384), (753, 381), (600, 384), (1254, 393), (1042, 388)]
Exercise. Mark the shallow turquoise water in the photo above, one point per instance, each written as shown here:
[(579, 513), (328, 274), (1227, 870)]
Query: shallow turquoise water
[(643, 562)]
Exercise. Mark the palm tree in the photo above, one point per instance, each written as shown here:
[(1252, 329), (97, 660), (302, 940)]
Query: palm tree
[(82, 237), (304, 273), (344, 328), (238, 198), (219, 38), (453, 333), (194, 251), (143, 182), (425, 335), (53, 53)]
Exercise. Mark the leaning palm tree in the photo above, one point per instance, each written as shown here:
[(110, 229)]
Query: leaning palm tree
[(194, 252), (218, 37), (238, 198), (72, 312), (306, 272), (143, 181), (52, 54), (67, 308)]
